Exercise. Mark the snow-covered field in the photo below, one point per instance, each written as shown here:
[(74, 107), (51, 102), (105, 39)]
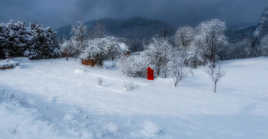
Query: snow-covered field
[(60, 99)]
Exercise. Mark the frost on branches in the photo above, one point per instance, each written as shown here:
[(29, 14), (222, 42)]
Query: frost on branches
[(107, 48), (184, 36), (79, 36), (185, 43), (68, 49), (77, 44), (176, 66), (211, 39), (215, 73), (134, 65), (158, 55)]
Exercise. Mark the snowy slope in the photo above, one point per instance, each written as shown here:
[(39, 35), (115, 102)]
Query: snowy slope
[(64, 99)]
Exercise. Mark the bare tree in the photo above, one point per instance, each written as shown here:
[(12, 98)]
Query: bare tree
[(176, 66), (215, 72), (211, 38)]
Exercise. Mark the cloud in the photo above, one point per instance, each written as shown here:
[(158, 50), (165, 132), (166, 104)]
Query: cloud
[(179, 12)]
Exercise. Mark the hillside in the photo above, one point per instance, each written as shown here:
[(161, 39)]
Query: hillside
[(138, 28), (259, 30), (132, 28), (60, 99)]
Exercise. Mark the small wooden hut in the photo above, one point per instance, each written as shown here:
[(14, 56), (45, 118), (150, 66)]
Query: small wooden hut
[(89, 62)]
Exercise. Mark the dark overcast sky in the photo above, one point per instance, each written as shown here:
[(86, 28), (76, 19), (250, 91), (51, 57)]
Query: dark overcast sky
[(60, 12)]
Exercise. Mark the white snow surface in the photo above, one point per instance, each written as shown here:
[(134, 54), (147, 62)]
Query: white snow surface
[(59, 99)]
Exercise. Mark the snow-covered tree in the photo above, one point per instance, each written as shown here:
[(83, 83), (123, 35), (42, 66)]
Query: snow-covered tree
[(14, 38), (184, 41), (211, 38), (3, 41), (134, 65), (34, 41), (44, 43), (100, 49), (240, 49), (184, 36), (215, 73), (68, 49), (262, 27), (79, 36), (158, 51), (264, 46)]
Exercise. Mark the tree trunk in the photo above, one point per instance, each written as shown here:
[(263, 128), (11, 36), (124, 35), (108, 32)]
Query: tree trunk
[(176, 82), (215, 87)]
